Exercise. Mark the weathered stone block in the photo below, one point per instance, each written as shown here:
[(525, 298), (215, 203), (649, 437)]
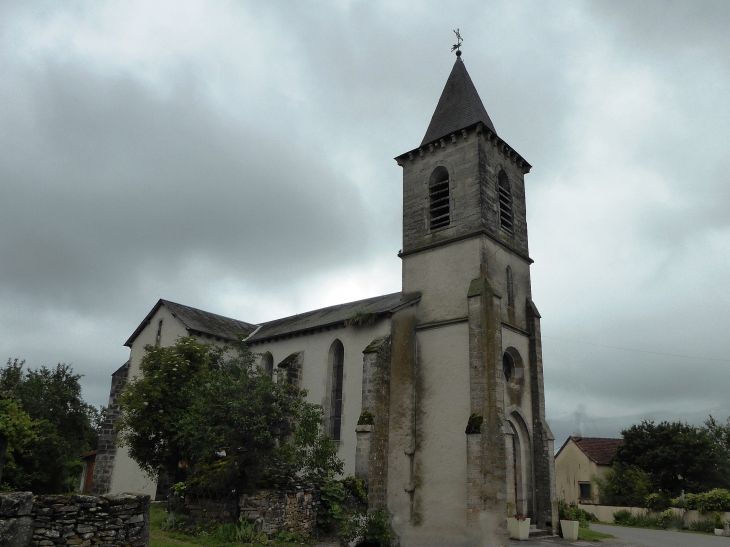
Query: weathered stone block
[(16, 504)]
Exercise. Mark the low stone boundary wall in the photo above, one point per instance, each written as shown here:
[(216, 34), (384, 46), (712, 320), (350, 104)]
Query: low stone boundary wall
[(219, 511), (292, 510), (120, 520), (604, 513)]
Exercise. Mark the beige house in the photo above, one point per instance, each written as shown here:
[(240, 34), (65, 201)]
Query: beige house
[(578, 462), (460, 340)]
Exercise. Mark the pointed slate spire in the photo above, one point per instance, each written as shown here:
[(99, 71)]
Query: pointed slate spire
[(458, 107)]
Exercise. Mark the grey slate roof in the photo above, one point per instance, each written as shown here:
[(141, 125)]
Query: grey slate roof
[(198, 322), (458, 107), (333, 315)]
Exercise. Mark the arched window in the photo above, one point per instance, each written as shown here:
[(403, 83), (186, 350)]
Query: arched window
[(439, 199), (510, 289), (267, 363), (337, 362), (506, 219)]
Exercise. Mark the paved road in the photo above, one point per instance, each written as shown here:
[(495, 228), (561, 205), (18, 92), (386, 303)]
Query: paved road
[(625, 537), (640, 537)]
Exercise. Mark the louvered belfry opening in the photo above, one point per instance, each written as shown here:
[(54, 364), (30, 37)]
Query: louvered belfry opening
[(505, 203), (439, 199), (338, 361)]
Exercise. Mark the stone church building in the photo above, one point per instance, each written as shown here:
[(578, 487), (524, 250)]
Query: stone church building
[(450, 367)]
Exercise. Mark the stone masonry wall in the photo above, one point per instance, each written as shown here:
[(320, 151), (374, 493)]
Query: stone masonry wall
[(120, 520), (107, 450), (292, 510)]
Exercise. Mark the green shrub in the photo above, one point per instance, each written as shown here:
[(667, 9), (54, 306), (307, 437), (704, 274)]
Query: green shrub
[(664, 520), (356, 488), (377, 528), (243, 532), (702, 525), (657, 502), (717, 520), (714, 500), (669, 521), (690, 501), (374, 527), (330, 511), (288, 537), (622, 516), (366, 418)]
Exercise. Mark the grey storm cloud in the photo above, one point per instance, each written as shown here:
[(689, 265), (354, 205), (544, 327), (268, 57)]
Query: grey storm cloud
[(100, 178), (238, 157)]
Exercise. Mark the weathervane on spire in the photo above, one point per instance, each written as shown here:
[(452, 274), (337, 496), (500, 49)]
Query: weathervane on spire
[(457, 45)]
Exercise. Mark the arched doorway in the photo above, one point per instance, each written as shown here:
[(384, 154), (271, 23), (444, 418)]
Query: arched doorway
[(522, 465)]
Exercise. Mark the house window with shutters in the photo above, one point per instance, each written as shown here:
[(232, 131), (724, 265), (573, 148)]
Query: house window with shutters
[(439, 199)]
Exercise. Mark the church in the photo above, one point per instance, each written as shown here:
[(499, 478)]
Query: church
[(450, 368)]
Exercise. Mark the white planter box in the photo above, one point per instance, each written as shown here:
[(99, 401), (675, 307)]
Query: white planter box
[(518, 529), (512, 527), (719, 531), (570, 529)]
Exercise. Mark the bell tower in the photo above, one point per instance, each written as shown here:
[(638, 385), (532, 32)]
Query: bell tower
[(477, 380)]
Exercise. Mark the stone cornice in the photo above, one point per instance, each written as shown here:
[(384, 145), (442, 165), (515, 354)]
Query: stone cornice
[(477, 129), (476, 233)]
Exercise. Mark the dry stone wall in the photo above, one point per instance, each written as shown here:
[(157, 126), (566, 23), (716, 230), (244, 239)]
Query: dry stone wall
[(120, 520), (292, 510)]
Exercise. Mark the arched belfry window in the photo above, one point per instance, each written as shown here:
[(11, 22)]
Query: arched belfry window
[(506, 218), (439, 210), (337, 362), (267, 363), (510, 288)]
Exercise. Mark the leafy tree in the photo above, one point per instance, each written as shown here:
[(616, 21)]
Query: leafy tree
[(210, 416), (721, 434), (16, 431), (675, 456), (64, 427), (624, 485)]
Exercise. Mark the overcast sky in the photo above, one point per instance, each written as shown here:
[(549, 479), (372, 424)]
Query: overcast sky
[(237, 157)]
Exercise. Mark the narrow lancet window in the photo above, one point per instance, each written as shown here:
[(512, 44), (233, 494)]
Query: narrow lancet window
[(158, 338), (439, 209), (337, 356), (267, 363), (506, 218), (510, 289)]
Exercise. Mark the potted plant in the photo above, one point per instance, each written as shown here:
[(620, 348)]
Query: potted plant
[(518, 527), (719, 525), (569, 521)]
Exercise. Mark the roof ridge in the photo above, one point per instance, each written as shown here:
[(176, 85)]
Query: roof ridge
[(333, 306), (168, 302)]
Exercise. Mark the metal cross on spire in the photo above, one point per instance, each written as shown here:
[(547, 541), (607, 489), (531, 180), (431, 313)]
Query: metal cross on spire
[(457, 45)]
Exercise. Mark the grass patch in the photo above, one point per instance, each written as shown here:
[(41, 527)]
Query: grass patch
[(162, 538), (591, 535)]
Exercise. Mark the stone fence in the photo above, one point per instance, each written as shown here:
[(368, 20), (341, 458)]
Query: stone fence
[(604, 513), (120, 520), (291, 510)]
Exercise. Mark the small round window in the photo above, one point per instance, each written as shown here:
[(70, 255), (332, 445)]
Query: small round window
[(513, 368), (508, 366)]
